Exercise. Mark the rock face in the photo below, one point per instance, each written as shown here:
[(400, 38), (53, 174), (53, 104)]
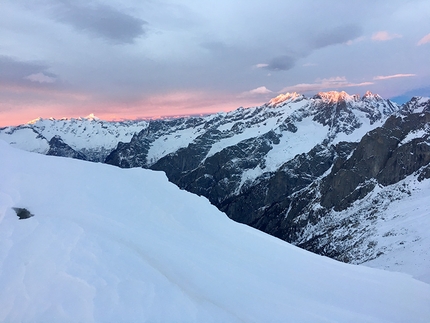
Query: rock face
[(370, 177), (315, 172), (57, 147), (384, 156)]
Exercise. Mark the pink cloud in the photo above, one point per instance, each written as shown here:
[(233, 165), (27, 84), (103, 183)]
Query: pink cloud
[(388, 77), (424, 40), (40, 78), (384, 36), (262, 90), (323, 84)]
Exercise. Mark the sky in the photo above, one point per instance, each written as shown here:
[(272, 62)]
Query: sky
[(145, 59)]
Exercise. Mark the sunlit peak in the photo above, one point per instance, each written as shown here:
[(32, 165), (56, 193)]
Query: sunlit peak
[(91, 116), (34, 120), (284, 97), (334, 96)]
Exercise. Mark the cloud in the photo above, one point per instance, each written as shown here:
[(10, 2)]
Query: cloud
[(323, 84), (388, 77), (102, 21), (40, 77), (333, 36), (424, 40), (356, 40), (262, 90), (280, 63), (337, 35), (15, 72), (384, 36), (261, 65)]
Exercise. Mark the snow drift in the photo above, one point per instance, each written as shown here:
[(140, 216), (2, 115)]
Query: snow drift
[(109, 244)]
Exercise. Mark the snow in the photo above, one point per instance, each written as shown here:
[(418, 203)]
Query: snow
[(25, 138), (420, 104), (415, 134), (267, 120), (402, 232), (359, 133), (171, 142), (309, 133), (89, 132), (388, 229), (247, 133), (124, 245)]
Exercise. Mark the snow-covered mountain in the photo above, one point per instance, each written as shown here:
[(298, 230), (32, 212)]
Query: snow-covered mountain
[(90, 138), (323, 173), (124, 245)]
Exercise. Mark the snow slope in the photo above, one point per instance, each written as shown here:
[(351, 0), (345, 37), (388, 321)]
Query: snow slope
[(402, 227), (124, 245), (389, 229)]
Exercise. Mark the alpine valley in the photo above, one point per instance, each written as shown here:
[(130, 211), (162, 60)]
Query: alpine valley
[(340, 175)]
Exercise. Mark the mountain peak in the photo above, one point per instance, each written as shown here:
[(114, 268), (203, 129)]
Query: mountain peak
[(334, 96), (370, 95), (285, 97), (34, 120), (91, 116)]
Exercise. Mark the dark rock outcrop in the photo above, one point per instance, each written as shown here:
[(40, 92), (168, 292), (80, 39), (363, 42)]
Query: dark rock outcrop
[(57, 147), (380, 157), (22, 213)]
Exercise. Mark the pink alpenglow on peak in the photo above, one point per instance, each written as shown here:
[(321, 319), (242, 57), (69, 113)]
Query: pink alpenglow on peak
[(285, 97), (91, 116), (334, 96)]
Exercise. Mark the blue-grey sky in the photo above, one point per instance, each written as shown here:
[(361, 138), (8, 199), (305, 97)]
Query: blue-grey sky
[(126, 59)]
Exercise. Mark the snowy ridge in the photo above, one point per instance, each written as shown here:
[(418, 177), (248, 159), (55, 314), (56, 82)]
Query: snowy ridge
[(90, 135), (282, 114), (299, 123), (143, 250), (417, 105)]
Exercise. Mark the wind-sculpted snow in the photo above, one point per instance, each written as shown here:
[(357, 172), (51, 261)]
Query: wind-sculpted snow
[(124, 245)]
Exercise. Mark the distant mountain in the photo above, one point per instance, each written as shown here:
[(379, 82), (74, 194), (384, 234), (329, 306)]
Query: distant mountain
[(306, 170), (89, 137), (104, 244)]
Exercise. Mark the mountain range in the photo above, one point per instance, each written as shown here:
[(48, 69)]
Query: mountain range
[(344, 176)]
